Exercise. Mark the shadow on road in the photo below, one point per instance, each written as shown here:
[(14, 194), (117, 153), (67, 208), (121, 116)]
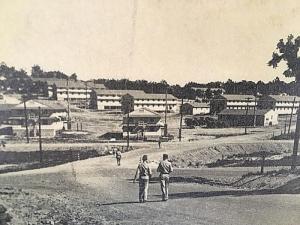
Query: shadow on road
[(291, 187), (127, 202), (199, 180)]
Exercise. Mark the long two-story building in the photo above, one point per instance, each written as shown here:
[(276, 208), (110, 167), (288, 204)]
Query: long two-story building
[(227, 101), (281, 104), (78, 92), (111, 100)]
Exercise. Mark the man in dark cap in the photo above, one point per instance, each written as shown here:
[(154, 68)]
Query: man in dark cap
[(165, 168), (144, 172)]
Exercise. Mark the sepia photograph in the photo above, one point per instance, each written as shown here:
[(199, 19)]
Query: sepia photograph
[(149, 112)]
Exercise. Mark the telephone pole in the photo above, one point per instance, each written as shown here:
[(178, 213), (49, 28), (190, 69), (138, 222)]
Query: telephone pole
[(166, 111), (254, 119), (297, 133), (40, 137), (128, 129), (86, 96), (26, 121), (296, 142), (68, 100), (247, 108), (181, 115)]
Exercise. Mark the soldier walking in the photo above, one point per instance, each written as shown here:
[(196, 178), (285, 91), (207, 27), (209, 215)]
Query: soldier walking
[(118, 157), (164, 168), (144, 172)]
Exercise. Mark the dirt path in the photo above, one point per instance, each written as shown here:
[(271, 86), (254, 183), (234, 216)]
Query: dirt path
[(96, 191)]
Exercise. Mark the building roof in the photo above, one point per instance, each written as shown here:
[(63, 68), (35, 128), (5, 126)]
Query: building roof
[(284, 98), (238, 97), (155, 96), (239, 112), (144, 112), (44, 104), (137, 94), (119, 92), (198, 104), (6, 107), (63, 83), (10, 98), (95, 86)]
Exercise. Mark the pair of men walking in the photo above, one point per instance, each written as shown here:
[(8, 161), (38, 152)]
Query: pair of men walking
[(144, 171)]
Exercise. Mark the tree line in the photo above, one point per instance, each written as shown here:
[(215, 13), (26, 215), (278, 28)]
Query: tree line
[(18, 81)]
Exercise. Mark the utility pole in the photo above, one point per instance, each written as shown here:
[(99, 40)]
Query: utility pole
[(289, 129), (285, 123), (40, 137), (254, 119), (26, 121), (68, 100), (128, 130), (86, 97), (296, 142), (166, 111), (297, 132), (247, 108), (181, 115)]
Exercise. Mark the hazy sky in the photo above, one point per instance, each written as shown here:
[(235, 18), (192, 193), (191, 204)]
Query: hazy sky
[(175, 40)]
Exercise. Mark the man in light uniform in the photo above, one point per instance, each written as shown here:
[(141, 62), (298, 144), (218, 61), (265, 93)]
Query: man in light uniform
[(145, 173), (164, 168), (118, 157)]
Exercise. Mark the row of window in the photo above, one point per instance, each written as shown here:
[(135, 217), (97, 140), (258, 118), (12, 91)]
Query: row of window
[(137, 101), (285, 108), (112, 107), (244, 102), (72, 93), (286, 102)]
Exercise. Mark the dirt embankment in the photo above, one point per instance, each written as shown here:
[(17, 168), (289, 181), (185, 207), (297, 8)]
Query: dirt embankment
[(202, 156), (281, 181)]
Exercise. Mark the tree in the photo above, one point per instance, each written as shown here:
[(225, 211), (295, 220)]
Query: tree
[(127, 106), (54, 92), (288, 52), (36, 71), (208, 93), (73, 77), (93, 101)]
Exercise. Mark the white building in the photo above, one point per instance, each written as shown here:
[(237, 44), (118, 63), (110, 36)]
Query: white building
[(218, 103), (79, 92), (195, 108), (53, 117), (281, 104), (111, 100)]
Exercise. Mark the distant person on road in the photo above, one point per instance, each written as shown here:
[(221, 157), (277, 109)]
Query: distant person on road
[(145, 173), (159, 142), (3, 143), (118, 157), (164, 168)]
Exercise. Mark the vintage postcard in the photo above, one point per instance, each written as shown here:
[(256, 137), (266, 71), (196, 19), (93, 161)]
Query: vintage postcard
[(139, 112)]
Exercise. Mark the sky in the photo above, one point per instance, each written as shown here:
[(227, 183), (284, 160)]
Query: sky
[(174, 40)]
